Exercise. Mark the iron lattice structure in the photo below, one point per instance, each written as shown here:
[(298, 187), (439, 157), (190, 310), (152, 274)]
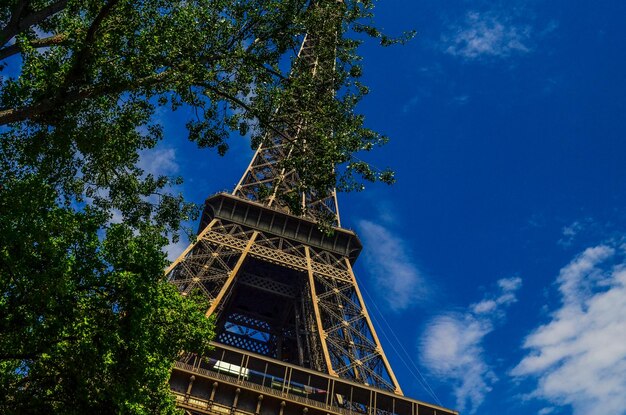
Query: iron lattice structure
[(268, 178), (282, 291), (281, 288)]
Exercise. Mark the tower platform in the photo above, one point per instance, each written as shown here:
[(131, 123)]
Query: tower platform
[(235, 382)]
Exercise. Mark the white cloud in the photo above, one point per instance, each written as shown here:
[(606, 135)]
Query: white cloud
[(392, 268), (162, 162), (572, 231), (452, 350), (158, 161), (452, 345), (569, 233), (492, 305), (174, 249), (579, 356), (509, 285), (487, 35)]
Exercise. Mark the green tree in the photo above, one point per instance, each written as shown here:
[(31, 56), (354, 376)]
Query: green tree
[(87, 321), (95, 71)]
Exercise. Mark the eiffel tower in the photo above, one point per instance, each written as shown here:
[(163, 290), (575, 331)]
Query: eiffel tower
[(293, 335)]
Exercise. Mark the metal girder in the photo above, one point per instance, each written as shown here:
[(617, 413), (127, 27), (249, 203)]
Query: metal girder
[(267, 179), (276, 284), (231, 380), (331, 326)]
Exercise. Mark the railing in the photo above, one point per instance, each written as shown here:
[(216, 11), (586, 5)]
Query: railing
[(307, 387), (202, 404), (260, 388)]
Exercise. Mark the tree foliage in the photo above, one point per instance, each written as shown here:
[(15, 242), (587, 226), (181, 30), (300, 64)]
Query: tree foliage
[(87, 321), (94, 73)]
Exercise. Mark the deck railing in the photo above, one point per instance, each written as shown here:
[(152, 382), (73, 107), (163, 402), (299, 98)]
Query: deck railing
[(307, 387)]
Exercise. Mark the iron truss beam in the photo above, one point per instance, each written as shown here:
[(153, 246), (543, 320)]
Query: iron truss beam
[(215, 264)]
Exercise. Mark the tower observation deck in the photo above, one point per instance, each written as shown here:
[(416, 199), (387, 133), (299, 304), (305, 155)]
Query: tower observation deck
[(293, 335)]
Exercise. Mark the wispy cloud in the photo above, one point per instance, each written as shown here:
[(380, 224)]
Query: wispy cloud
[(158, 161), (452, 345), (162, 162), (411, 103), (579, 356), (174, 249), (391, 267), (487, 34), (460, 100), (569, 232), (577, 232)]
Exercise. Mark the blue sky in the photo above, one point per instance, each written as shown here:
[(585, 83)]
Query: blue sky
[(496, 266)]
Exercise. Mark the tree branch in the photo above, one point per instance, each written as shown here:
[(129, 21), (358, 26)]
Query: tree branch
[(246, 107), (33, 354), (16, 15), (19, 356), (19, 23), (83, 55), (12, 115), (65, 95), (37, 43)]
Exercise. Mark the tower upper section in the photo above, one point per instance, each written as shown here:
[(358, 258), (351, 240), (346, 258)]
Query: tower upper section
[(271, 178)]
